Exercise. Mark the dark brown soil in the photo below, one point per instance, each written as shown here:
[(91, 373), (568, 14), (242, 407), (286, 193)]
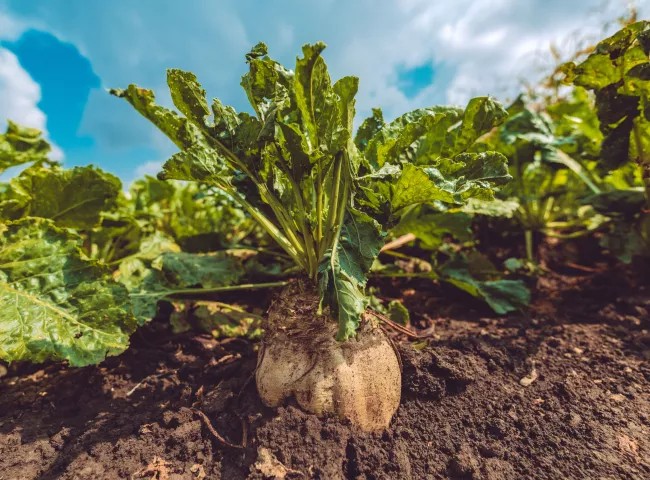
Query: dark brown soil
[(562, 391)]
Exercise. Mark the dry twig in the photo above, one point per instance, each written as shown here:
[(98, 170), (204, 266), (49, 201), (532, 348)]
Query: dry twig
[(396, 326), (216, 434)]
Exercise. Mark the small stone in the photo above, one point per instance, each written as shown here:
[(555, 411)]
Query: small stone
[(575, 419)]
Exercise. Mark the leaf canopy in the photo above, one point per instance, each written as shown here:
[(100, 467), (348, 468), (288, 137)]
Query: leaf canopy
[(20, 145), (617, 72), (73, 198), (57, 305), (326, 196)]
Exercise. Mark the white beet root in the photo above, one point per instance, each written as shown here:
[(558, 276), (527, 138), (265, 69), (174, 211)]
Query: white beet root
[(359, 379)]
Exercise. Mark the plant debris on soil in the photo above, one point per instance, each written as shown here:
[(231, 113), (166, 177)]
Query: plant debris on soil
[(559, 391)]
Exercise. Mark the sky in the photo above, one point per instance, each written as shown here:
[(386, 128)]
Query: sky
[(58, 57)]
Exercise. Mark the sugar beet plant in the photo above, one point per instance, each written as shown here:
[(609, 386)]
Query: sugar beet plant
[(618, 72), (82, 264), (327, 198)]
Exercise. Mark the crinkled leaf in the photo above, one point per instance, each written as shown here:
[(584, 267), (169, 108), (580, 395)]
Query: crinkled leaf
[(217, 319), (56, 305), (207, 270), (432, 228), (343, 272), (492, 208), (390, 143), (179, 130), (188, 95), (470, 274), (174, 271), (615, 72), (398, 313), (73, 198), (20, 145), (196, 164), (481, 115), (310, 80), (475, 177)]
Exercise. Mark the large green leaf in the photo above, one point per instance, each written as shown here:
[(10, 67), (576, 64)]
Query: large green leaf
[(20, 145), (481, 115), (432, 228), (196, 163), (391, 142), (56, 305), (173, 272), (343, 270), (316, 100), (615, 72), (474, 274), (179, 130), (188, 95), (73, 198), (491, 208), (472, 176), (205, 270)]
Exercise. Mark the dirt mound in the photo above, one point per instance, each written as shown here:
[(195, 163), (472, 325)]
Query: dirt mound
[(562, 393)]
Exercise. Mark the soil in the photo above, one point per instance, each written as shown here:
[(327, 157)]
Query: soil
[(560, 391)]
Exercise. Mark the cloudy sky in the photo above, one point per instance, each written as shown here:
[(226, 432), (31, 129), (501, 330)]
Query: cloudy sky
[(57, 57)]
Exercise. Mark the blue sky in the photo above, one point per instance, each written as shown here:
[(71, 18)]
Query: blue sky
[(57, 57)]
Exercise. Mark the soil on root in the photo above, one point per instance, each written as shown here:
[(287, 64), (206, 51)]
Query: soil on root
[(561, 392)]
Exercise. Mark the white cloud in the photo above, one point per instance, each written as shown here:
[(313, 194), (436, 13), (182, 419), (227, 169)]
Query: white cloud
[(150, 168), (19, 97)]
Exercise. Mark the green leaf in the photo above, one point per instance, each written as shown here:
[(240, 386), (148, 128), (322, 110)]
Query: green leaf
[(196, 164), (398, 313), (359, 244), (72, 198), (207, 270), (156, 244), (56, 304), (188, 95), (20, 145), (474, 175), (343, 271), (622, 202), (310, 79), (615, 71), (368, 129), (431, 228), (491, 208), (149, 191), (174, 272), (257, 51), (219, 320), (481, 115), (391, 143), (179, 130), (472, 274)]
